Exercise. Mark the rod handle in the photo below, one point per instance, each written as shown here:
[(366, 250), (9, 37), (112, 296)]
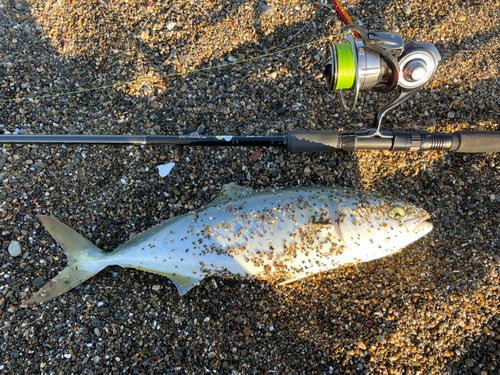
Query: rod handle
[(313, 141), (476, 141)]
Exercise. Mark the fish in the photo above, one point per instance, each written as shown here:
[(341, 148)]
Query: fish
[(278, 235)]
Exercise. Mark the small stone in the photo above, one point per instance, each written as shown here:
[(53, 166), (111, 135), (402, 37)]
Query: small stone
[(246, 114), (307, 170), (156, 287), (171, 25), (14, 249), (369, 324), (38, 281), (407, 10), (144, 35), (265, 10), (211, 355), (201, 129), (41, 165), (247, 331), (469, 362), (361, 346), (451, 114), (67, 356), (380, 339), (395, 29)]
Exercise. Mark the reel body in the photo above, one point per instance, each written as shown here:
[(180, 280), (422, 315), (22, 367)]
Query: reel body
[(382, 62)]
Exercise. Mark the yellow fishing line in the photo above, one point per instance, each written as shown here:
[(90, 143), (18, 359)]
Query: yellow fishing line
[(173, 74), (346, 73)]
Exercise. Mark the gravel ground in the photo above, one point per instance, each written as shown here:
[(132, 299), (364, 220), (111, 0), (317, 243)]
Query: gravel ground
[(432, 308)]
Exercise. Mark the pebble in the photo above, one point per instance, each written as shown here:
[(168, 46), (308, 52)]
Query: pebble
[(380, 339), (265, 10), (407, 10), (201, 129), (14, 249), (469, 362), (38, 282)]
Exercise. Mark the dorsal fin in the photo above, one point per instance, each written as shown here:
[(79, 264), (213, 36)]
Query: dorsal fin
[(231, 191)]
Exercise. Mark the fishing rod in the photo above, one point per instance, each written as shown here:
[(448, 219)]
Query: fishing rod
[(294, 141), (377, 60)]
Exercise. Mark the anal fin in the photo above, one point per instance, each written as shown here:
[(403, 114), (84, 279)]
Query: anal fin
[(183, 283)]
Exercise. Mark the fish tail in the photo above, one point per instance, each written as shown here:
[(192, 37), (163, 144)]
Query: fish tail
[(84, 261)]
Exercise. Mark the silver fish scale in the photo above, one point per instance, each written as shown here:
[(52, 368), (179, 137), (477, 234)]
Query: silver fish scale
[(266, 235)]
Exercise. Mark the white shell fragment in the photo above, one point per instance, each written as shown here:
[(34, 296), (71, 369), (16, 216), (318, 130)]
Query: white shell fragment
[(165, 169)]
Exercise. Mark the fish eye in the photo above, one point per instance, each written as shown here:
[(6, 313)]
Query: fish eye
[(396, 213)]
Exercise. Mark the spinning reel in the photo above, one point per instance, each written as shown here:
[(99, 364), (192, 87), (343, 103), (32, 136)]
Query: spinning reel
[(382, 62)]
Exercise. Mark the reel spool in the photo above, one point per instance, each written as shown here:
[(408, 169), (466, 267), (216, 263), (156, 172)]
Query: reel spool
[(380, 61)]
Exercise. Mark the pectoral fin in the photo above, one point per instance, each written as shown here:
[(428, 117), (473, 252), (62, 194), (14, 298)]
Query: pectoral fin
[(293, 278)]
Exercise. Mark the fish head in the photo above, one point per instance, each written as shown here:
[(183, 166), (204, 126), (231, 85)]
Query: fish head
[(373, 227)]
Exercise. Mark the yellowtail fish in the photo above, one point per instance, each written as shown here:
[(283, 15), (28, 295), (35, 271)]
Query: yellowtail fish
[(277, 235)]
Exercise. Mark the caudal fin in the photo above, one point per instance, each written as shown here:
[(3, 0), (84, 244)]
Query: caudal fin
[(84, 261)]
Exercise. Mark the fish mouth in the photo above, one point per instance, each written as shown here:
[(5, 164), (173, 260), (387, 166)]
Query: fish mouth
[(423, 224)]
